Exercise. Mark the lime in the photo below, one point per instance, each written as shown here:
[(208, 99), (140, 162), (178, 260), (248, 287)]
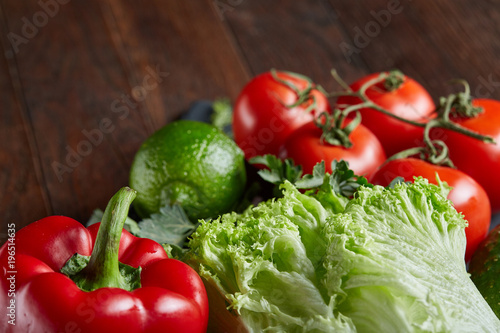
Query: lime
[(189, 163)]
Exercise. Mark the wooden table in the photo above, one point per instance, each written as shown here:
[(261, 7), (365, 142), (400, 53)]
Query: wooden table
[(83, 83)]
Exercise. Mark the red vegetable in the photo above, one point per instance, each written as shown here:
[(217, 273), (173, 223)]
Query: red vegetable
[(467, 195), (408, 100), (479, 160), (263, 113), (163, 295), (306, 148)]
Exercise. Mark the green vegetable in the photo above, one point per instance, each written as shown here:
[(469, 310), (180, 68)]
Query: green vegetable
[(342, 181), (390, 260), (222, 117), (278, 170), (130, 225), (484, 268), (189, 163), (169, 226)]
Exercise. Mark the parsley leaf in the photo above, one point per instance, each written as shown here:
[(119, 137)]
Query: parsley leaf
[(278, 170), (342, 180), (315, 180), (170, 225)]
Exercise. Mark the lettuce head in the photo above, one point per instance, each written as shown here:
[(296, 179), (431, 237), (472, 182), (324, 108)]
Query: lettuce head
[(391, 260)]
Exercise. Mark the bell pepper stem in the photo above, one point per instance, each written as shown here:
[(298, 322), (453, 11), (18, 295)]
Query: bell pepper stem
[(103, 267)]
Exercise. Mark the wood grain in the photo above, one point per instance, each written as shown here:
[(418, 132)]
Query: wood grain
[(70, 78), (23, 196), (298, 36), (83, 83), (200, 60), (433, 42)]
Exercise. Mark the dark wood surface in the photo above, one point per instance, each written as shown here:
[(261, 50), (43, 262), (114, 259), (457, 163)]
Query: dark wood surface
[(83, 83)]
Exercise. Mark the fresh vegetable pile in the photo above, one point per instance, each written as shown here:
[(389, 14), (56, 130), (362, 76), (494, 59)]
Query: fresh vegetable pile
[(380, 124), (296, 210)]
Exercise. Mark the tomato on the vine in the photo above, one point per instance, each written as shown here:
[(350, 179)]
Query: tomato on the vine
[(479, 160), (265, 112), (405, 98), (467, 195), (306, 148)]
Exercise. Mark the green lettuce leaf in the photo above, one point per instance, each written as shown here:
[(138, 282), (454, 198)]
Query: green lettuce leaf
[(266, 263), (391, 261), (395, 260)]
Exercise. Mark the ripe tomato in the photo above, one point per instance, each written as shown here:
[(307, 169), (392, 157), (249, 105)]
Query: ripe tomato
[(410, 100), (467, 195), (479, 160), (262, 121), (306, 149)]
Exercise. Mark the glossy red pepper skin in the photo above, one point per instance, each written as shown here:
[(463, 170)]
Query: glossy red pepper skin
[(171, 298)]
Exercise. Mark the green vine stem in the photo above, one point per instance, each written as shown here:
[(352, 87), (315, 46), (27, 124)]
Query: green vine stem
[(335, 132), (455, 105), (303, 95), (435, 152), (394, 80), (458, 105)]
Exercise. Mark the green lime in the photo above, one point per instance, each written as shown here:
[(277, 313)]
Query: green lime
[(188, 163)]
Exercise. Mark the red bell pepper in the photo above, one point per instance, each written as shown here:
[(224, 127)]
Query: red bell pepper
[(127, 285)]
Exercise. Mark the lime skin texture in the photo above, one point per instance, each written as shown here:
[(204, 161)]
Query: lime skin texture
[(189, 163)]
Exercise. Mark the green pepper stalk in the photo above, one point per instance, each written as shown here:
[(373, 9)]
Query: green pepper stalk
[(103, 268)]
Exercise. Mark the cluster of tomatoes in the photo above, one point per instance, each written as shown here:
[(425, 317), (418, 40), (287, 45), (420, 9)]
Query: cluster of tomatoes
[(277, 113)]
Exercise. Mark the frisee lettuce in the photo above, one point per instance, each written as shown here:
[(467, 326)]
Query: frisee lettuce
[(389, 260)]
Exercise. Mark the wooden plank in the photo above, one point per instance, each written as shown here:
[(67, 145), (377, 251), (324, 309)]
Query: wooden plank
[(86, 81), (187, 40), (299, 36), (23, 198), (97, 78), (75, 91), (432, 41)]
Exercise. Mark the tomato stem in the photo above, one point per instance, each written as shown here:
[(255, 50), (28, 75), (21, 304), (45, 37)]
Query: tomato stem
[(340, 81), (461, 104), (455, 105), (435, 152), (443, 120), (303, 96), (394, 80), (335, 132), (447, 105)]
